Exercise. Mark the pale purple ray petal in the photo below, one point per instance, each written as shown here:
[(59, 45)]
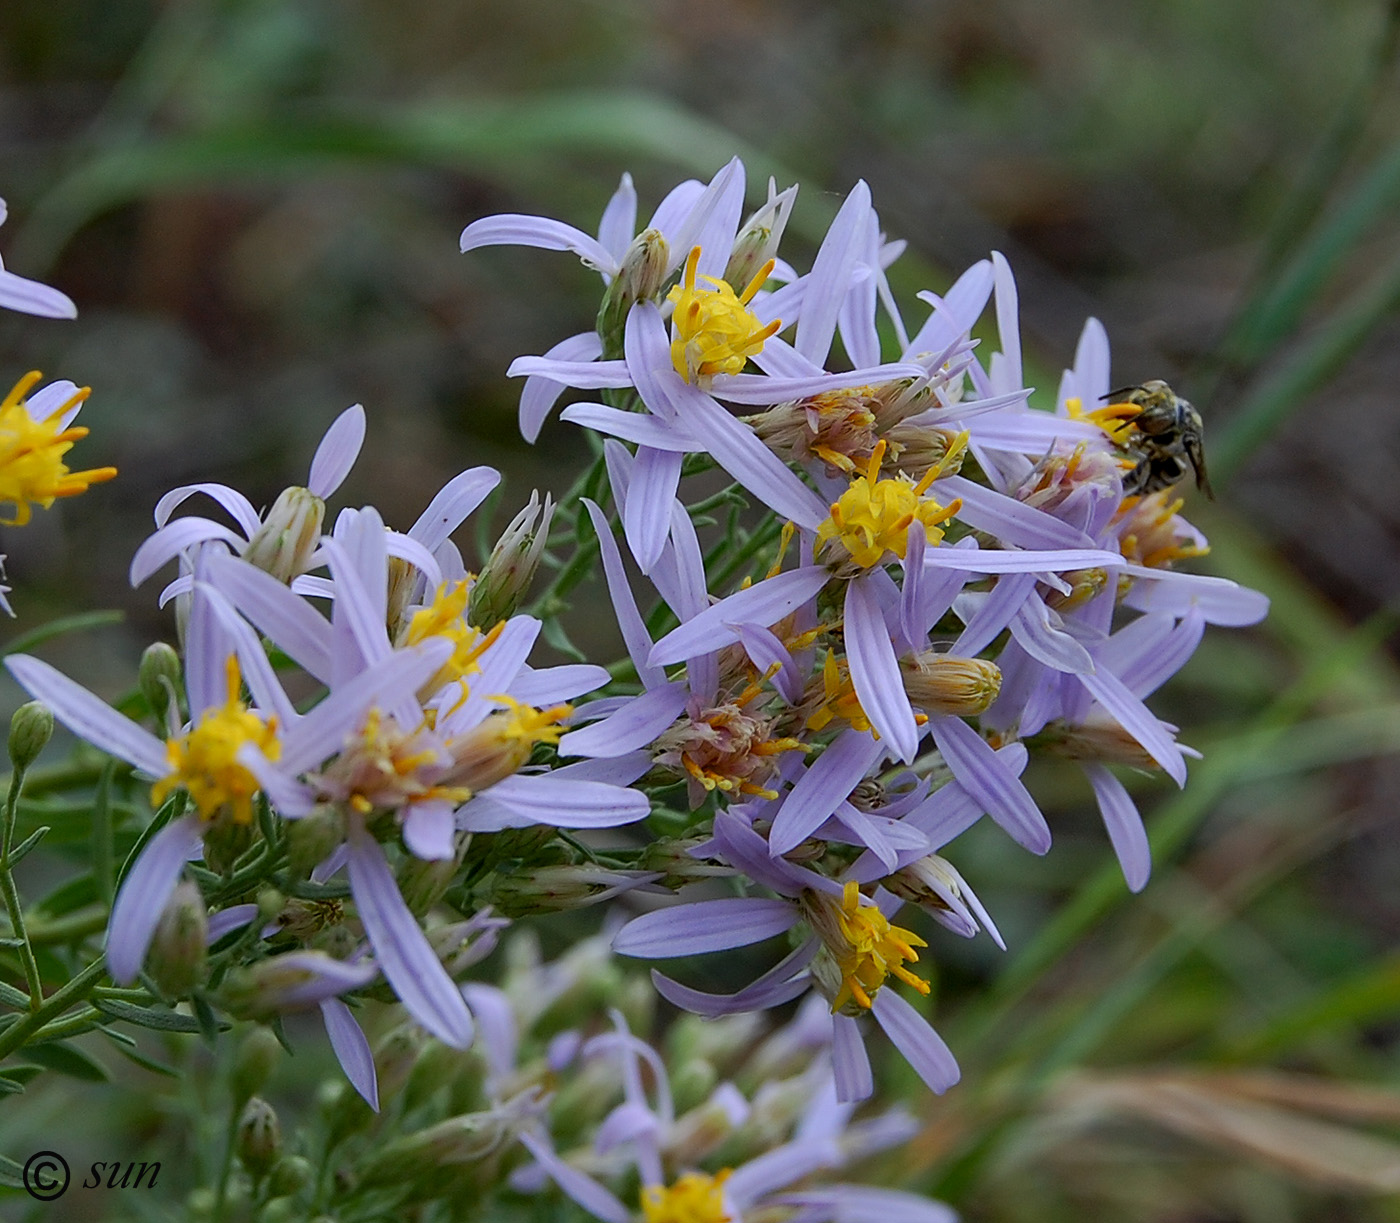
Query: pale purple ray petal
[(89, 717), (547, 685), (731, 442), (495, 1023), (1029, 431), (922, 1047), (428, 830), (405, 956), (1091, 364), (678, 203), (736, 842), (1143, 674), (496, 671), (955, 313), (683, 568), (778, 1168), (237, 505), (831, 275), (966, 410), (628, 1122), (31, 297), (875, 672), (634, 726), (762, 389), (615, 770), (1138, 721), (619, 221), (561, 802), (268, 694), (540, 394), (322, 732), (782, 983), (406, 548), (911, 600), (226, 921), (584, 375), (834, 774), (289, 798), (579, 1186), (1008, 323), (1009, 520), (52, 398), (206, 653), (351, 1050), (704, 925), (764, 603), (883, 837), (458, 498), (779, 359), (629, 619), (849, 1061), (144, 891), (992, 782), (1125, 831), (336, 454), (1220, 601), (646, 520), (995, 613), (176, 537), (865, 1204), (632, 426), (710, 222), (289, 621), (1041, 634), (765, 651), (856, 317), (543, 233)]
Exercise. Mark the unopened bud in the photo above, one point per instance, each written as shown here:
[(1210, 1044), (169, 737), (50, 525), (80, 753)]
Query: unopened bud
[(312, 839), (283, 545), (1084, 584), (691, 1082), (394, 1059), (257, 1056), (643, 273), (510, 569), (547, 889), (225, 841), (941, 685), (30, 731), (259, 1138), (423, 881), (160, 678), (291, 982), (1100, 740), (758, 241), (178, 953), (291, 1176)]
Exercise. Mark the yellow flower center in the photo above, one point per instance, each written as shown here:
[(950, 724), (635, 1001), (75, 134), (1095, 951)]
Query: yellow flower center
[(870, 949), (32, 470), (839, 699), (873, 516), (205, 759), (1150, 534), (445, 617), (1111, 418), (383, 766), (693, 1198), (714, 331)]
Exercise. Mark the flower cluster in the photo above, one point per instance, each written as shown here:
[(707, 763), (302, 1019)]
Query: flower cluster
[(921, 581)]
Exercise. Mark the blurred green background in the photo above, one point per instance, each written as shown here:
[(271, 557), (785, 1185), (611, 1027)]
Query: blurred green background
[(255, 204)]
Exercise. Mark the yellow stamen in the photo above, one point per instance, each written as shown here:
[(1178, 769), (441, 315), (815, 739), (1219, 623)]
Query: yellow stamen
[(873, 949), (205, 759), (872, 517), (1111, 418), (715, 333), (694, 1197), (32, 470), (445, 617)]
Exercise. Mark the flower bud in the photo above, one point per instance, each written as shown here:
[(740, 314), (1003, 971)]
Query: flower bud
[(510, 568), (259, 1138), (160, 678), (422, 881), (1084, 584), (311, 839), (691, 1082), (642, 276), (758, 241), (1098, 739), (178, 954), (30, 730), (394, 1059), (940, 684), (292, 1175), (547, 889), (225, 841), (257, 1056), (283, 545)]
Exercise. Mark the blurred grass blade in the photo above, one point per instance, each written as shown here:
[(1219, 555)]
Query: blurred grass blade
[(57, 628)]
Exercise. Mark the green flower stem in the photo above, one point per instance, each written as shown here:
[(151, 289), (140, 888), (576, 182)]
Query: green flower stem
[(12, 901), (55, 1004)]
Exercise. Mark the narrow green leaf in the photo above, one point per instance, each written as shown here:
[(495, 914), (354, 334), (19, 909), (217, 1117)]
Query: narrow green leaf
[(67, 1060), (157, 1018), (209, 1026), (17, 855), (11, 1174), (57, 628), (11, 996)]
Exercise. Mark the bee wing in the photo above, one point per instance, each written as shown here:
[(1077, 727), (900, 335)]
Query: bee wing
[(1197, 454), (1112, 396)]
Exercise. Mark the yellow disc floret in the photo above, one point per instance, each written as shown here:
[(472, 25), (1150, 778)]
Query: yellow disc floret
[(714, 331), (867, 949), (204, 760), (32, 470), (692, 1198), (873, 516), (445, 617)]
